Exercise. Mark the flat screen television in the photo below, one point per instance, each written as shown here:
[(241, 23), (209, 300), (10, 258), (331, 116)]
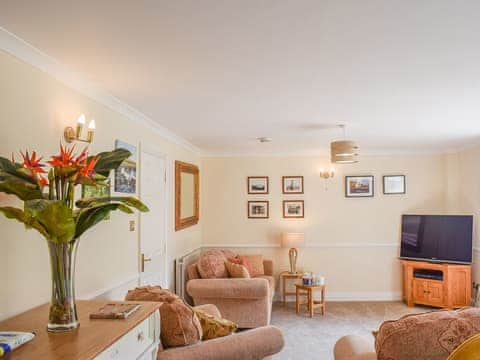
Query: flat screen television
[(437, 238)]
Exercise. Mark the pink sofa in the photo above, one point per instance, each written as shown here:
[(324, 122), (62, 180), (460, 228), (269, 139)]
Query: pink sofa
[(255, 344), (248, 302)]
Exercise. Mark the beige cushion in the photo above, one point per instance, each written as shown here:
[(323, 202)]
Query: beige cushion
[(211, 265), (179, 324), (237, 270), (254, 264), (214, 327), (427, 336)]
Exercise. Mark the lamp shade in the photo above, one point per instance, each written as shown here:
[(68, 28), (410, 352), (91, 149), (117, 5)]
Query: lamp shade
[(343, 152), (293, 240)]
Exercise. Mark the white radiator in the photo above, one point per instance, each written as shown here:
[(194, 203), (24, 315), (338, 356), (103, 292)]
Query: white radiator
[(181, 266)]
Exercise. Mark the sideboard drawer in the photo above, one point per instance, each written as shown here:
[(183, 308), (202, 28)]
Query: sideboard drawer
[(133, 344)]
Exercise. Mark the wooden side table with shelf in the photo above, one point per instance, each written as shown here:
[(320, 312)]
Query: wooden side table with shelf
[(284, 276), (308, 290)]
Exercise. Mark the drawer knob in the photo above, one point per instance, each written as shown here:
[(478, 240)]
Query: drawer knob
[(140, 336)]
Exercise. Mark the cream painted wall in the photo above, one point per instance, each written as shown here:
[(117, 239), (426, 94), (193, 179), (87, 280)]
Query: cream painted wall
[(464, 193), (353, 242), (34, 109)]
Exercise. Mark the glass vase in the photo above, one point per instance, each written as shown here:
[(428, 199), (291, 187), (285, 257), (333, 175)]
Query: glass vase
[(63, 311)]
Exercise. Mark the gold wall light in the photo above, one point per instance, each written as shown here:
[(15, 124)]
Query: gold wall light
[(72, 134), (324, 174), (327, 174)]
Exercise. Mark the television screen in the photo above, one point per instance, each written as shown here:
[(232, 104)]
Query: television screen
[(441, 238)]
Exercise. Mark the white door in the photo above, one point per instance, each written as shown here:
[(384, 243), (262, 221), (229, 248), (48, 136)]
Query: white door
[(153, 241)]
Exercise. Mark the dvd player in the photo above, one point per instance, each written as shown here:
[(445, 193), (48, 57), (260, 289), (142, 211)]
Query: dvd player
[(428, 274)]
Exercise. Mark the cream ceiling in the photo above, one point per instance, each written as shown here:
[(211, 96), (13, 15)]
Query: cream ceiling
[(403, 75)]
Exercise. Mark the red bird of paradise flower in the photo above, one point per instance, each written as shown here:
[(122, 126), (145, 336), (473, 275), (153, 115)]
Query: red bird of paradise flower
[(67, 158), (88, 169), (33, 165), (64, 159)]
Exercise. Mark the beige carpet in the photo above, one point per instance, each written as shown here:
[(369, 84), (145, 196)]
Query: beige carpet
[(314, 338)]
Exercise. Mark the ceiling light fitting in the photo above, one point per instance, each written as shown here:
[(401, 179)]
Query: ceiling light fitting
[(343, 151), (264, 139)]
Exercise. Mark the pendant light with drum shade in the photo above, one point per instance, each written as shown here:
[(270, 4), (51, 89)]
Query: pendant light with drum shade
[(343, 151)]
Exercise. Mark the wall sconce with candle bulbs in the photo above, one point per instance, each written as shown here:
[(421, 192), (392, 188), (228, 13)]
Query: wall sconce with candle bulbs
[(71, 134), (327, 174)]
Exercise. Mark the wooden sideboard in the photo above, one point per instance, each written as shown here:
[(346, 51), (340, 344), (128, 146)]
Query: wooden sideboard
[(134, 338), (452, 290)]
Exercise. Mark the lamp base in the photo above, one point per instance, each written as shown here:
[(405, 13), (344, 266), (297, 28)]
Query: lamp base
[(292, 254)]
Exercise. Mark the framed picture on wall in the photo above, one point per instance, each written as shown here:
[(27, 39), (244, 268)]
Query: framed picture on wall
[(293, 209), (126, 173), (257, 184), (258, 209), (394, 184), (292, 184), (359, 186)]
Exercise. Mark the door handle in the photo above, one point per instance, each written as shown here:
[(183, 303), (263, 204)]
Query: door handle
[(143, 261)]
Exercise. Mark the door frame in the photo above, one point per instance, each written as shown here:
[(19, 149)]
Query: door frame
[(156, 151)]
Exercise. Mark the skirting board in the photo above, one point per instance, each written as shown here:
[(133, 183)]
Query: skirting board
[(353, 296)]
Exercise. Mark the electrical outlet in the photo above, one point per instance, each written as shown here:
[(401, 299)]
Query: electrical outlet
[(132, 225)]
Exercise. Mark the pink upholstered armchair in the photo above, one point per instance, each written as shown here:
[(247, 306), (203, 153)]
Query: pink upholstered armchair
[(248, 302), (254, 344)]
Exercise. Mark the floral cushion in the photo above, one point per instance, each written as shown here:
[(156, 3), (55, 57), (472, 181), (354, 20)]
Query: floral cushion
[(211, 265), (428, 336)]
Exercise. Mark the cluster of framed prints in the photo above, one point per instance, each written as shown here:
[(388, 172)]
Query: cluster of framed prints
[(364, 186), (259, 185)]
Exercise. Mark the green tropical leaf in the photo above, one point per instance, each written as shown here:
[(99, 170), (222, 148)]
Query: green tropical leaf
[(14, 181), (14, 169), (127, 200), (91, 216), (16, 185), (55, 216), (21, 216), (109, 160)]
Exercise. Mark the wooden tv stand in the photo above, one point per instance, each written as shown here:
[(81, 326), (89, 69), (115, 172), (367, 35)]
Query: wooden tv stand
[(452, 290)]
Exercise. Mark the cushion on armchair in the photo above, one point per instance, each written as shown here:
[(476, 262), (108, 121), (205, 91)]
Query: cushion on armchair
[(214, 327), (179, 324), (432, 335)]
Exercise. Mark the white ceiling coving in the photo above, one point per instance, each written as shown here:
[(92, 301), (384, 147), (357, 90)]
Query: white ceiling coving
[(403, 75)]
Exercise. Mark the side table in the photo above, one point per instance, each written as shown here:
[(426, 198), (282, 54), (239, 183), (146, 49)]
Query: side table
[(312, 304), (284, 276)]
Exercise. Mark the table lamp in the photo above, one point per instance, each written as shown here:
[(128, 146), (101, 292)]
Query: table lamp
[(293, 241)]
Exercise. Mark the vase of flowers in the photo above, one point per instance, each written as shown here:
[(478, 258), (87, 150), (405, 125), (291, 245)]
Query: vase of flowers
[(50, 207)]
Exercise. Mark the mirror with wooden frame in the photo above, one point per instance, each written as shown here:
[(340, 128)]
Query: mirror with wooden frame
[(186, 195)]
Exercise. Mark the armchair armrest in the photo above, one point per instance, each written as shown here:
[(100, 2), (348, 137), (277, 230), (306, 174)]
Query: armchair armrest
[(256, 288), (253, 344), (354, 347)]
